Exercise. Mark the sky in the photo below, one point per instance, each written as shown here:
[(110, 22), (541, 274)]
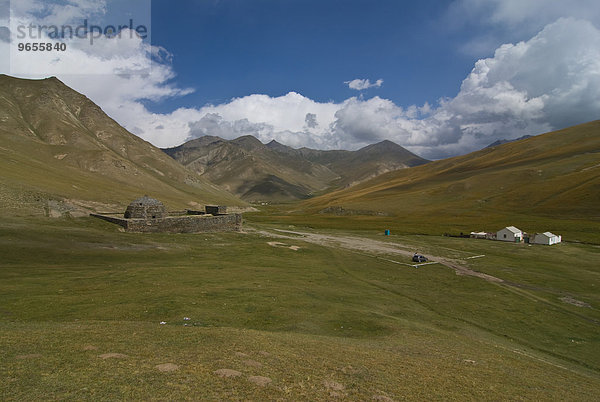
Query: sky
[(441, 78)]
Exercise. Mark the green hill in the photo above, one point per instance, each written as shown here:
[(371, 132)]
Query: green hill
[(60, 150), (551, 180)]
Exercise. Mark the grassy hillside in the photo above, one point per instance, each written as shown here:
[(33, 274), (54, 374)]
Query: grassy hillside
[(548, 182), (56, 145), (80, 318)]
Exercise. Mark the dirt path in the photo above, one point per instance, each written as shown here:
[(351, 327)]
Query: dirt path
[(383, 250), (372, 247), (461, 270), (350, 243)]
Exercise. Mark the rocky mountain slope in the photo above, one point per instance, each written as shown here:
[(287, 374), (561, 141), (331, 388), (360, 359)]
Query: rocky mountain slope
[(248, 168), (59, 148), (275, 172)]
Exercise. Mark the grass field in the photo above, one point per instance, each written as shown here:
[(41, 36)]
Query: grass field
[(585, 230), (549, 182), (81, 306)]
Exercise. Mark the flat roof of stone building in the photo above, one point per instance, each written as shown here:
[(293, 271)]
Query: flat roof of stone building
[(145, 200)]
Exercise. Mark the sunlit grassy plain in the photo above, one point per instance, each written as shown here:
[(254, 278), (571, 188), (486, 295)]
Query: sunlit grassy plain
[(320, 322)]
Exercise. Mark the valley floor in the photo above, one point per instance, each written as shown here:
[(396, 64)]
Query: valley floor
[(90, 313)]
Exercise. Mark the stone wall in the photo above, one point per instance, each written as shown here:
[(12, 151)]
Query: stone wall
[(187, 224), (112, 219), (179, 224)]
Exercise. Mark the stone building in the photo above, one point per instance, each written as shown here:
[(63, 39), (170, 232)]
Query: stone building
[(146, 208), (150, 215), (216, 209)]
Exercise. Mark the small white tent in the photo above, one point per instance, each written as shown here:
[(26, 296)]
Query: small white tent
[(546, 238), (510, 233), (478, 235)]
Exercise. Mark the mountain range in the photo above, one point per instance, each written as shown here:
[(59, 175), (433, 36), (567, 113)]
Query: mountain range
[(59, 152), (275, 172), (59, 148)]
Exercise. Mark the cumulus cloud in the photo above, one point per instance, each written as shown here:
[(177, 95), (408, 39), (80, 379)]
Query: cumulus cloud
[(49, 13), (213, 124), (547, 82), (292, 119), (550, 78), (91, 43), (362, 84), (506, 21)]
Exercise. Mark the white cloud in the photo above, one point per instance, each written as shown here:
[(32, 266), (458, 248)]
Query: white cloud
[(79, 26), (58, 13), (505, 21), (360, 84), (291, 119), (539, 80), (550, 81)]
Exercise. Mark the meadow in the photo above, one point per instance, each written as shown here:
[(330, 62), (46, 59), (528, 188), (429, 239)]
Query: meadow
[(88, 312)]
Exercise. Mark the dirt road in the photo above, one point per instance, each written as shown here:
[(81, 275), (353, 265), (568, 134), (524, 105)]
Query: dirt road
[(372, 247), (386, 251)]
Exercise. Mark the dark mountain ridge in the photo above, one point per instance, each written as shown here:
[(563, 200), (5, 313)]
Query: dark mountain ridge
[(276, 172)]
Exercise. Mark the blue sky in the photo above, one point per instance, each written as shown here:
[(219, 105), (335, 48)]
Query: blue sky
[(441, 78), (235, 48)]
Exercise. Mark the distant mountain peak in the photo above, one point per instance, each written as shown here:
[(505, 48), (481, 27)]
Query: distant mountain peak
[(248, 140), (274, 171), (277, 146), (385, 144), (389, 148)]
